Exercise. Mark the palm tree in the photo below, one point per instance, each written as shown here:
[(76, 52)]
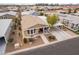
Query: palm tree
[(14, 26), (13, 33), (19, 13), (19, 34)]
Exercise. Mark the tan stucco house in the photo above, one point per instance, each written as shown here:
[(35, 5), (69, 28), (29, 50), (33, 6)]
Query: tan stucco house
[(33, 25)]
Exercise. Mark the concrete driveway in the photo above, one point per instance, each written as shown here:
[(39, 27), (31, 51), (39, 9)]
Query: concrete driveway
[(61, 34)]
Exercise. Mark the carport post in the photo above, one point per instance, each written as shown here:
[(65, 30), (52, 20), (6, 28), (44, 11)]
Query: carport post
[(5, 40)]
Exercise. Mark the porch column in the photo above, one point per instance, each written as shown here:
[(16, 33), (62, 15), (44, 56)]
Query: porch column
[(46, 29), (33, 31), (29, 31), (43, 30)]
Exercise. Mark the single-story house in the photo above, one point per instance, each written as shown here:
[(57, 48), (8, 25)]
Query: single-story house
[(31, 12), (5, 28), (33, 25), (12, 8), (71, 21), (8, 15)]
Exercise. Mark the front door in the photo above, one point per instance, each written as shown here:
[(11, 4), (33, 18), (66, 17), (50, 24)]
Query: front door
[(41, 30)]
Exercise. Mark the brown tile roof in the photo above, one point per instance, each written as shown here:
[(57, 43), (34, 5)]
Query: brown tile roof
[(29, 21)]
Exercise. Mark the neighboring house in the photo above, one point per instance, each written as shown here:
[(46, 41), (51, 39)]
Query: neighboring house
[(75, 14), (31, 12), (71, 21), (33, 25), (8, 15), (5, 28), (12, 8)]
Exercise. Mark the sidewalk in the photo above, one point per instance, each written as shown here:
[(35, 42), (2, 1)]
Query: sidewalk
[(44, 38)]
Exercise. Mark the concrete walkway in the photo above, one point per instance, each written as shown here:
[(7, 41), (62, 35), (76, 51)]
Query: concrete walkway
[(44, 39)]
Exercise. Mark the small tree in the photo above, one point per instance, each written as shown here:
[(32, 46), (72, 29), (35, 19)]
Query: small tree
[(52, 19), (13, 33), (19, 33), (69, 11), (19, 23), (46, 15), (10, 40), (25, 40), (75, 11), (52, 38), (14, 26), (31, 39), (41, 13), (19, 28)]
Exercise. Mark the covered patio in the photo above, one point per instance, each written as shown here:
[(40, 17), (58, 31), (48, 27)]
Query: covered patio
[(37, 29)]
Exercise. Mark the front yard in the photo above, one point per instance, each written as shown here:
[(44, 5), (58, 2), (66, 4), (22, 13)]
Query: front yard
[(34, 42), (50, 37)]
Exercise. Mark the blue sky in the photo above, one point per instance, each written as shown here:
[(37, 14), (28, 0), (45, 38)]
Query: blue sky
[(39, 1)]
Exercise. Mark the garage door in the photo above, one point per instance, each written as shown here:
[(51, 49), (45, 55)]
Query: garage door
[(2, 45)]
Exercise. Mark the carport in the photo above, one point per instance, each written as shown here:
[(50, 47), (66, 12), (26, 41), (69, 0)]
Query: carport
[(5, 27), (2, 45), (59, 25)]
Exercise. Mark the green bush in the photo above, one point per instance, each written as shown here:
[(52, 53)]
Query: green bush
[(31, 39), (52, 37), (25, 40), (41, 13), (10, 40)]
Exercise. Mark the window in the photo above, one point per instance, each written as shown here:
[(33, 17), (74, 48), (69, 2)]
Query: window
[(72, 25), (46, 28), (31, 31), (28, 31), (34, 30), (76, 25)]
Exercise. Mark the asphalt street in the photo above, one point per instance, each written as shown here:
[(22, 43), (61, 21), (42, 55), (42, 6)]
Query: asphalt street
[(66, 47)]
